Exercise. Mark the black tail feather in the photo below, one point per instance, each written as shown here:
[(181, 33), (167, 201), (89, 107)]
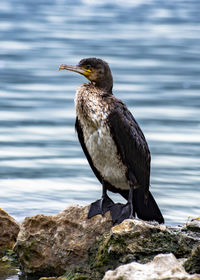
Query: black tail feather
[(146, 209)]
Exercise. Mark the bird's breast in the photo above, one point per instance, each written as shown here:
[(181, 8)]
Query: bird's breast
[(99, 142)]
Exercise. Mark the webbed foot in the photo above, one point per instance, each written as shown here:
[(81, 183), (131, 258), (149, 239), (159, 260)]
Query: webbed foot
[(100, 206), (121, 212)]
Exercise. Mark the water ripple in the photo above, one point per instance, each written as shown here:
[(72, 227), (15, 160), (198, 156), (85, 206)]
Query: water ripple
[(153, 50)]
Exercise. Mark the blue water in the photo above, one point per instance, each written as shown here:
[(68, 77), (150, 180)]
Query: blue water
[(153, 50)]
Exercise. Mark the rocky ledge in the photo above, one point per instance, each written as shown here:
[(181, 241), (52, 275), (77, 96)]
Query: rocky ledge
[(70, 245)]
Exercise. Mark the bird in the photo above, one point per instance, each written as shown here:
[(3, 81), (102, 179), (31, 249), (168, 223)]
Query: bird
[(114, 145)]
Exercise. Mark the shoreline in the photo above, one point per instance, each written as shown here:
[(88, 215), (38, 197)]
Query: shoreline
[(67, 244)]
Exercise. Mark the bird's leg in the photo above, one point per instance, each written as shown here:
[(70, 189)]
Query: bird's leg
[(120, 212), (102, 205)]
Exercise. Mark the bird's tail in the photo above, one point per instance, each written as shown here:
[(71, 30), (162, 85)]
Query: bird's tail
[(146, 208)]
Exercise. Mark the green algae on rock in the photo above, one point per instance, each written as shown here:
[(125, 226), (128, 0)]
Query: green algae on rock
[(192, 264), (135, 240), (9, 265)]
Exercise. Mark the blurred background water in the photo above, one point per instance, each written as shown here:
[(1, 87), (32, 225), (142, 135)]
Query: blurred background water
[(153, 50)]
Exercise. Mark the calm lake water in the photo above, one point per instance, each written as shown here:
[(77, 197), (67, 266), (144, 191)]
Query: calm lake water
[(153, 50)]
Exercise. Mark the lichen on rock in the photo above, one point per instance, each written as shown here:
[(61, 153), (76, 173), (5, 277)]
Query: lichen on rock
[(192, 264)]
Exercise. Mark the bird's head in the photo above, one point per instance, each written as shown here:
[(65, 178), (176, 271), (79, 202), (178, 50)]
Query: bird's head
[(95, 70)]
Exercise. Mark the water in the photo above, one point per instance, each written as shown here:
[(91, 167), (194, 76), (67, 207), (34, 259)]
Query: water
[(153, 50)]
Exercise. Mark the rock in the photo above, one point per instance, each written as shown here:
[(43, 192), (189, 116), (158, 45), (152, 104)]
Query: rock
[(163, 267), (49, 245), (136, 240), (71, 245), (9, 229), (192, 229), (8, 271), (192, 265), (193, 224), (9, 265)]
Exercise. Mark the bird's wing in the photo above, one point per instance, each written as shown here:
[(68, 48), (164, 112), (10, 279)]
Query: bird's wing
[(131, 144)]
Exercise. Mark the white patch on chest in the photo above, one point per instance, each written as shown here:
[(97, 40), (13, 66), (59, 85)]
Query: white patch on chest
[(103, 152)]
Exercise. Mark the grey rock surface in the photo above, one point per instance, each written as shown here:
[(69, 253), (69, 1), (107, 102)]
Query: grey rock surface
[(163, 267)]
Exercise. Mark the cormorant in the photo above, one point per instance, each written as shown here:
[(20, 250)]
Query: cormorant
[(114, 145)]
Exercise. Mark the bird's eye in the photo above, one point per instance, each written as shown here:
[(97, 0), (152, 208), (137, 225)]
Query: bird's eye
[(88, 66)]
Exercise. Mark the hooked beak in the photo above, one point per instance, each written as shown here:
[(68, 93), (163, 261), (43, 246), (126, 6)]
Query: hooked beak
[(76, 69)]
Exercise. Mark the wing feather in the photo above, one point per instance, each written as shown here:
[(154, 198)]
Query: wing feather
[(131, 144)]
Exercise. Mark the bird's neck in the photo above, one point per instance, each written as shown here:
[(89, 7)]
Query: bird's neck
[(90, 101), (105, 86)]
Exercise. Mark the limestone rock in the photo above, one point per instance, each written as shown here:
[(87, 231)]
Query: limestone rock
[(9, 229), (136, 240), (163, 267), (49, 245), (71, 245)]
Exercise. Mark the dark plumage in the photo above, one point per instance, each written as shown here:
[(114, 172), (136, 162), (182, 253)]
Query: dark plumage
[(114, 145)]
